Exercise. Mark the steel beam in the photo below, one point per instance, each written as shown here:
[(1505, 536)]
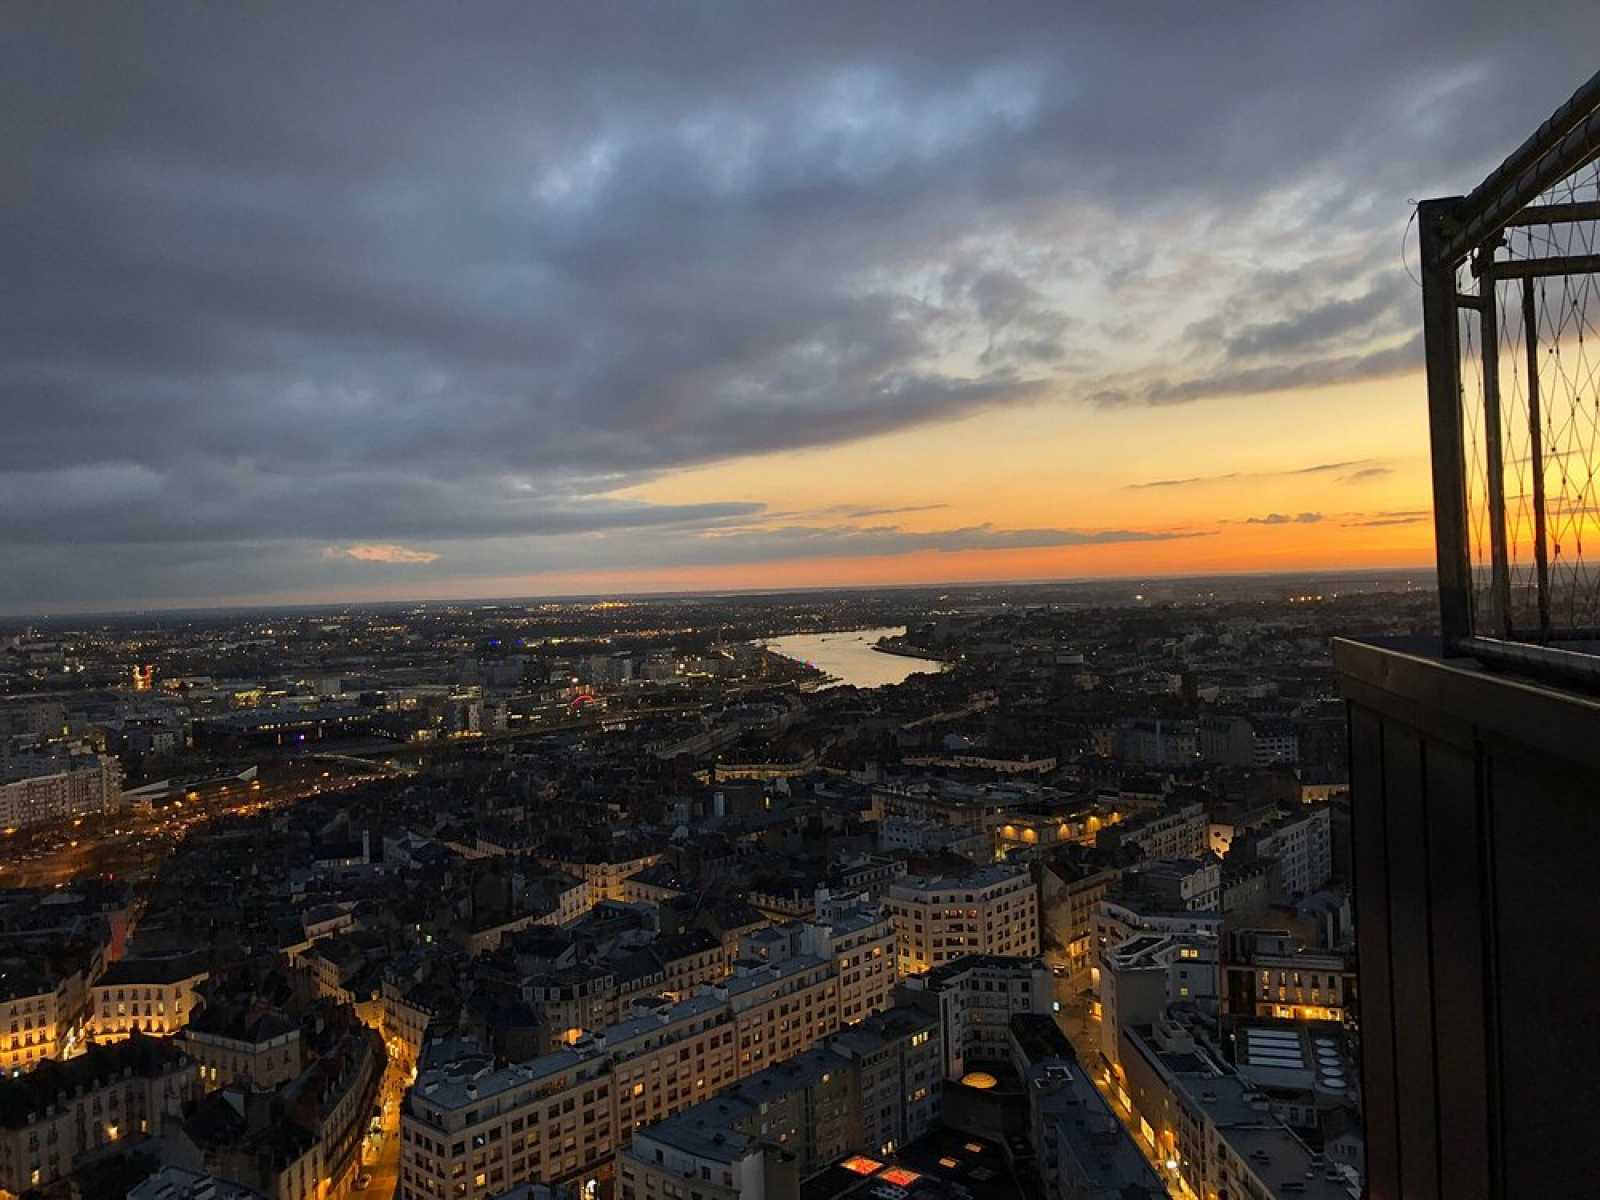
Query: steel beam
[(1567, 140), (1494, 460), (1541, 557), (1440, 342), (1556, 214), (1544, 268)]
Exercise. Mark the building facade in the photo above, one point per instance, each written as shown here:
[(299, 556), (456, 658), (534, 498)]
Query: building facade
[(975, 999), (156, 996), (63, 1111), (939, 920), (37, 790)]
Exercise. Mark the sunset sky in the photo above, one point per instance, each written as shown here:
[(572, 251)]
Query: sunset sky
[(309, 302)]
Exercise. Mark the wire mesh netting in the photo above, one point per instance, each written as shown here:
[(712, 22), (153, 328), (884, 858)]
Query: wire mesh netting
[(1529, 373)]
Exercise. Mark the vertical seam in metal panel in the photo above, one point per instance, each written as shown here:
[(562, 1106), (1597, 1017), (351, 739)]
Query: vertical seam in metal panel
[(1433, 983), (1393, 1081), (1493, 1069)]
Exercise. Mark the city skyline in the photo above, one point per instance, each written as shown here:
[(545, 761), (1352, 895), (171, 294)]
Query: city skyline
[(680, 300)]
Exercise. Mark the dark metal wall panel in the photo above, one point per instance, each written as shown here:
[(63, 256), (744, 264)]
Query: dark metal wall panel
[(1547, 897), (1411, 960), (1457, 895), (1369, 838), (1476, 825)]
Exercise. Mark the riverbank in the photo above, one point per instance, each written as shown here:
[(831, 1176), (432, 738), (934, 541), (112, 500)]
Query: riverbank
[(903, 651)]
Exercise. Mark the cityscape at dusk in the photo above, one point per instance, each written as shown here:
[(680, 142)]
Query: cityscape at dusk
[(718, 601)]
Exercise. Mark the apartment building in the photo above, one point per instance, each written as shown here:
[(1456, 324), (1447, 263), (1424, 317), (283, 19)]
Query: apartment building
[(975, 998), (408, 1007), (1118, 918), (673, 965), (243, 1044), (63, 1111), (145, 995), (705, 1154), (1179, 832), (898, 1067), (176, 1183), (1271, 975), (1302, 846), (1141, 977), (857, 939), (1069, 890), (1178, 884), (31, 1015), (1036, 833), (994, 910), (982, 808), (468, 1130), (1212, 1125), (1082, 1151), (39, 789), (872, 1088), (607, 875), (1240, 741), (861, 945)]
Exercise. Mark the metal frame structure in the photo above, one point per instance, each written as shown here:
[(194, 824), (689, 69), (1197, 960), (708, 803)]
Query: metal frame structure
[(1467, 231)]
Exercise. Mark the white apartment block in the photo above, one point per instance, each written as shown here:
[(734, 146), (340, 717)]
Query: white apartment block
[(469, 1131), (30, 1018), (154, 996), (38, 790), (1180, 833), (938, 920), (1303, 848)]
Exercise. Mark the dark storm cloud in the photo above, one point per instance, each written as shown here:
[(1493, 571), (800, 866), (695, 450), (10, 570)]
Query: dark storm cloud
[(91, 506), (1286, 377), (1389, 299), (351, 274)]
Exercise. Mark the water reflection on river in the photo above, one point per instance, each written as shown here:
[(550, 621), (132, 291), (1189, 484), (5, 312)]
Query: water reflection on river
[(849, 657)]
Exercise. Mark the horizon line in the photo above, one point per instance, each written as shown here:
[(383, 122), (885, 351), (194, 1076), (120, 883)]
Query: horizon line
[(165, 609)]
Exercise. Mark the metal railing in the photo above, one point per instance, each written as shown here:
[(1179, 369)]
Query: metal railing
[(1511, 326)]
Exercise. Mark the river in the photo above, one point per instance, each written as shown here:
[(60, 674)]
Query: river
[(848, 656)]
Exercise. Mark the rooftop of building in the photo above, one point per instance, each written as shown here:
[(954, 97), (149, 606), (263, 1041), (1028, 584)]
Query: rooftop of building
[(243, 1020), (949, 972), (473, 1080), (1241, 1113), (944, 1164), (882, 1028), (21, 977), (172, 968), (767, 973), (980, 877), (706, 1131), (175, 1183)]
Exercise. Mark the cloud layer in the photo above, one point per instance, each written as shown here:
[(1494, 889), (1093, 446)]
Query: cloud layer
[(377, 277)]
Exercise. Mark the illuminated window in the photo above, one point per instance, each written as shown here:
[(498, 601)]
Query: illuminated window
[(861, 1165), (900, 1177)]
